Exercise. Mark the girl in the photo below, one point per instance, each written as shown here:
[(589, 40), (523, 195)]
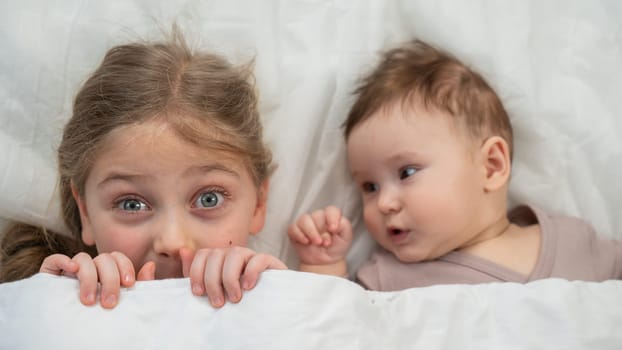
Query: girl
[(163, 171)]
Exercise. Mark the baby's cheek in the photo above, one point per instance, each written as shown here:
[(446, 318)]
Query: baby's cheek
[(373, 223), (368, 213)]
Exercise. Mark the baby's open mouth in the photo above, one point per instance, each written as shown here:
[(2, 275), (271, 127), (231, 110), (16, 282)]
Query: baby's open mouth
[(397, 234), (395, 231)]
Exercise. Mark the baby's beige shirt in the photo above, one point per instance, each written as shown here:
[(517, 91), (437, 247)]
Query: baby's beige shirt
[(570, 249)]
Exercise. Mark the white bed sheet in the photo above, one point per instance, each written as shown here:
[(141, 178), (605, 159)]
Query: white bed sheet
[(296, 310)]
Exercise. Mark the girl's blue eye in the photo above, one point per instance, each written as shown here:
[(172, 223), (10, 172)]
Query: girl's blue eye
[(210, 199), (132, 204), (369, 187), (407, 172)]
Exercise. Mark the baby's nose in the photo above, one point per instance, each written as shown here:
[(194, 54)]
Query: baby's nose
[(388, 200)]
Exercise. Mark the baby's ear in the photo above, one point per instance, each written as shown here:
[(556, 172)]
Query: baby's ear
[(495, 154)]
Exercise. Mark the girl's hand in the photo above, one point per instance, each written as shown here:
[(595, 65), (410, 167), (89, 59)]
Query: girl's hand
[(112, 270), (322, 237), (224, 273)]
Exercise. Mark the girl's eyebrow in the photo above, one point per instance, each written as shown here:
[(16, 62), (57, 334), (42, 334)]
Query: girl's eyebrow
[(215, 167), (192, 171), (117, 176)]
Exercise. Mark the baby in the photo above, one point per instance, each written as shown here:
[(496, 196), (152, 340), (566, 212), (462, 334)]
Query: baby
[(429, 145)]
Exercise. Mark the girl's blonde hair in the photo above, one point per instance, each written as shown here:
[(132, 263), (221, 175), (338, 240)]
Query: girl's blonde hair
[(205, 99)]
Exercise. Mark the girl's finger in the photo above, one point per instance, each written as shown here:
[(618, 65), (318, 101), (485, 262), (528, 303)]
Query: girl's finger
[(147, 272), (213, 277), (256, 265), (59, 264), (109, 279), (87, 275), (126, 269), (234, 264), (187, 256), (196, 271)]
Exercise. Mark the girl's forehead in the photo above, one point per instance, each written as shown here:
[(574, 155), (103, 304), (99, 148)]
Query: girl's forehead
[(146, 137), (157, 144)]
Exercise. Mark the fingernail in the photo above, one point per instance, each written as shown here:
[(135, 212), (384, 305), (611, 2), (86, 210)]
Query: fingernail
[(90, 297), (197, 289), (217, 301), (246, 285), (234, 297), (111, 300), (127, 278)]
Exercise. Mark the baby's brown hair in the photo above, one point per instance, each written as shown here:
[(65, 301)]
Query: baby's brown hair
[(418, 72)]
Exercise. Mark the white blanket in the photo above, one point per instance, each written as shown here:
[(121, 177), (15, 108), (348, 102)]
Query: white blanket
[(295, 310), (556, 65)]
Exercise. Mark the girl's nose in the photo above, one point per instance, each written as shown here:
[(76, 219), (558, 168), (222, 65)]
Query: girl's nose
[(389, 200), (171, 235)]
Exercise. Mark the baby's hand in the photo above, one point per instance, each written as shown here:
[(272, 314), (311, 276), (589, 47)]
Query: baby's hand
[(230, 271), (113, 270), (322, 237)]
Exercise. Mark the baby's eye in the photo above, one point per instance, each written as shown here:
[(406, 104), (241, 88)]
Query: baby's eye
[(209, 199), (369, 187), (407, 172), (132, 205)]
